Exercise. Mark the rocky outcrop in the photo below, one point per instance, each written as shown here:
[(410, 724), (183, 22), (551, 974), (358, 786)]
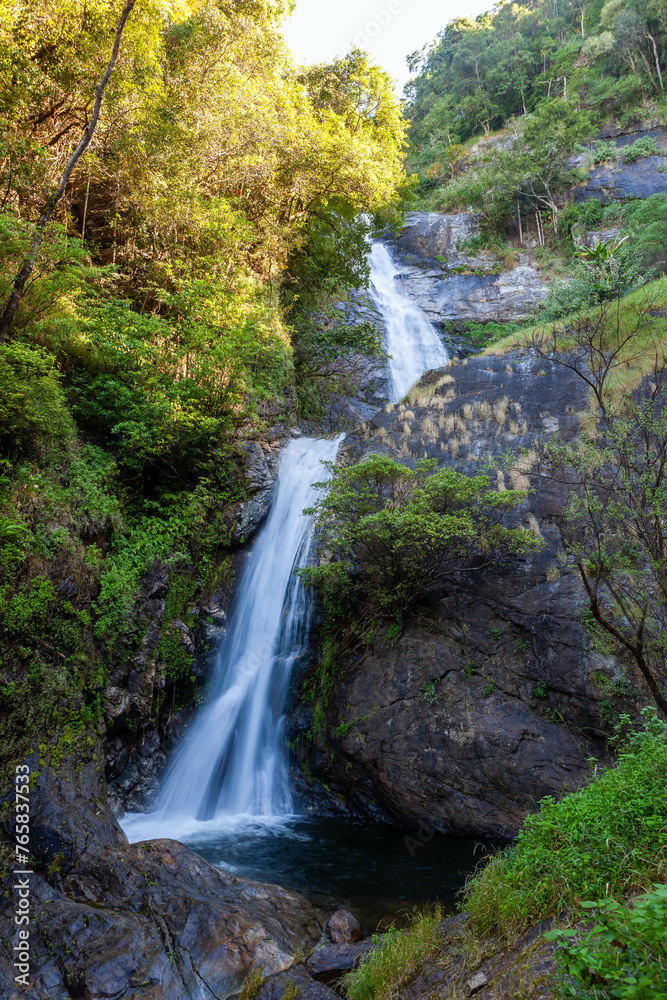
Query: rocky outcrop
[(620, 181), (454, 284), (491, 698), (478, 298), (154, 920), (625, 182), (429, 235)]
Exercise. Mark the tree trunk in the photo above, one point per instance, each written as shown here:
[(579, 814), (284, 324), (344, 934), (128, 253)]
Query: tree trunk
[(636, 651), (657, 60), (53, 199)]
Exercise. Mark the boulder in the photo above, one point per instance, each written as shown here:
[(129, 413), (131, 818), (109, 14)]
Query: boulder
[(343, 927), (297, 982), (328, 959)]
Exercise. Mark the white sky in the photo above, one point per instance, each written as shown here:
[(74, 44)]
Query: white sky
[(389, 29)]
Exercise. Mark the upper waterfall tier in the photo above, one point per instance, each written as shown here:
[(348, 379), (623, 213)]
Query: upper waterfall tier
[(411, 341)]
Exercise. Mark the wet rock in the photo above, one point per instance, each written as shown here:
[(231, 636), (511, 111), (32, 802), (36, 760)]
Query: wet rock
[(260, 473), (68, 806), (330, 958), (343, 927), (297, 981), (137, 787), (115, 919)]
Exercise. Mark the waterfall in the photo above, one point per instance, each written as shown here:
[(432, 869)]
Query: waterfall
[(410, 339), (233, 761)]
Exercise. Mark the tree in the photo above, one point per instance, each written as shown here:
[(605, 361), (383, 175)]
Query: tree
[(615, 521), (392, 532), (47, 210), (534, 163)]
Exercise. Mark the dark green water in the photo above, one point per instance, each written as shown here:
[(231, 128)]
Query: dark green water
[(380, 873)]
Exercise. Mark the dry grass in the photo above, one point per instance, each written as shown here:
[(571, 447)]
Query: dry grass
[(423, 395), (553, 572), (534, 526), (638, 356)]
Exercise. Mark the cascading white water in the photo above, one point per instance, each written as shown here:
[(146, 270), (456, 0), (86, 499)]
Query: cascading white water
[(411, 340), (234, 761)]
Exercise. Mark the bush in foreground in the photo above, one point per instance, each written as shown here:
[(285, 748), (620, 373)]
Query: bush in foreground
[(623, 956), (608, 839)]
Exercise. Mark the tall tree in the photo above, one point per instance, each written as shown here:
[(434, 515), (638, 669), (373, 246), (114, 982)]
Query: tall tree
[(47, 211)]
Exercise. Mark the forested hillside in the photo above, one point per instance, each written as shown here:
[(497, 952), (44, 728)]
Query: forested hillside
[(551, 74), (166, 318)]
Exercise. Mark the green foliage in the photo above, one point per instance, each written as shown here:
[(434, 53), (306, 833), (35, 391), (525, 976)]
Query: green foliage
[(604, 152), (623, 956), (508, 63), (398, 954), (504, 68), (33, 412), (179, 605), (607, 839), (394, 531), (640, 147), (644, 222), (530, 167)]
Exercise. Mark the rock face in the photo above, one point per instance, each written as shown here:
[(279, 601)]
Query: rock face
[(490, 699), (432, 258), (432, 234), (642, 179), (151, 920), (478, 298), (625, 181)]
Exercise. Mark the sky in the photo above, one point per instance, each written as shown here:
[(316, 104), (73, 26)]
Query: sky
[(389, 29)]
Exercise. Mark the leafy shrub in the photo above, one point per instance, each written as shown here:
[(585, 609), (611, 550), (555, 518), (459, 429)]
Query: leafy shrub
[(25, 615), (640, 147), (623, 956), (33, 410), (645, 222), (566, 297), (587, 214), (609, 837), (604, 152), (394, 531)]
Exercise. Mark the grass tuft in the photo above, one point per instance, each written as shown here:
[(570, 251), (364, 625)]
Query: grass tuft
[(398, 956)]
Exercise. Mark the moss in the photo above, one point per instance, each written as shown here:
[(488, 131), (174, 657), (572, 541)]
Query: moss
[(181, 597)]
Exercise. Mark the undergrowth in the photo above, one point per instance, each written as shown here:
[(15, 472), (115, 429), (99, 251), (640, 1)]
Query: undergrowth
[(609, 839), (395, 959)]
